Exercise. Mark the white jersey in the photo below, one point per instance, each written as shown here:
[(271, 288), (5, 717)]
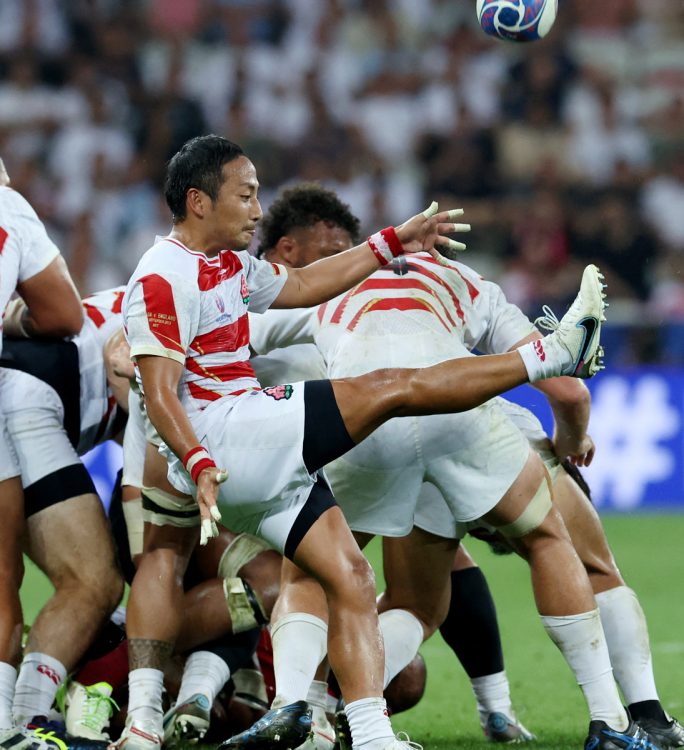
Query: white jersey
[(193, 309), (25, 248), (428, 314), (424, 316), (99, 408)]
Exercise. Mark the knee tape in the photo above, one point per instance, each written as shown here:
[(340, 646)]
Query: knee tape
[(244, 606), (533, 515), (133, 515), (239, 552), (164, 509)]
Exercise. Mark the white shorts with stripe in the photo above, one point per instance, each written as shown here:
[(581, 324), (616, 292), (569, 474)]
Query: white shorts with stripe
[(473, 458), (258, 438)]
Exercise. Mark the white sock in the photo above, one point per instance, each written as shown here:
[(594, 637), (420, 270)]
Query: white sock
[(39, 678), (204, 673), (318, 694), (145, 698), (402, 634), (628, 645), (369, 724), (300, 641), (8, 677), (581, 640), (540, 362), (493, 695)]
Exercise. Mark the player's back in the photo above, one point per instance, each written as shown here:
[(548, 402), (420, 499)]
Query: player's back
[(408, 314)]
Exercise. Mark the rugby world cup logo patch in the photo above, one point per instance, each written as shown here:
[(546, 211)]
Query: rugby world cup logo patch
[(279, 392), (244, 290)]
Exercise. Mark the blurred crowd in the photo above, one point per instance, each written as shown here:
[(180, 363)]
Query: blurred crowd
[(564, 151)]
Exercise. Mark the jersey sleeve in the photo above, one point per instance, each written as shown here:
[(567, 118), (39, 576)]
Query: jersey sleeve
[(276, 329), (37, 249), (264, 279), (499, 324), (161, 315)]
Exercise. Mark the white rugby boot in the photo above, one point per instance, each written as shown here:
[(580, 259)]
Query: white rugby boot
[(499, 727), (138, 735), (573, 348), (187, 722), (88, 709), (402, 742)]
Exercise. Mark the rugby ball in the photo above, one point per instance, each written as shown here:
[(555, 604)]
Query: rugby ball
[(517, 20)]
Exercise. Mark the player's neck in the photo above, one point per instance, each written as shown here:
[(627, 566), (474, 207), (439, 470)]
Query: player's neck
[(195, 240)]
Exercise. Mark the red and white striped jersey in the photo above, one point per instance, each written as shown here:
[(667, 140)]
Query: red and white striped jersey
[(100, 415), (190, 308), (25, 248), (425, 315)]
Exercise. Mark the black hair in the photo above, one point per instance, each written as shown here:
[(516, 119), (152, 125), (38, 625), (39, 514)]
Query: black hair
[(198, 164), (303, 206)]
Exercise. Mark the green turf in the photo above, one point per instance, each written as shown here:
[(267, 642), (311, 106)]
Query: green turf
[(649, 551)]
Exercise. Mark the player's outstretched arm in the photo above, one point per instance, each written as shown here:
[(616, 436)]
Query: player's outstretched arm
[(325, 279), (53, 306), (160, 377)]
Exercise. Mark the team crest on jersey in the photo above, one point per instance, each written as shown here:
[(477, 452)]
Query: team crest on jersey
[(279, 392), (244, 290)]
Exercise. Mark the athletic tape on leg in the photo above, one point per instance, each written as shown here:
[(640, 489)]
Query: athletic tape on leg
[(239, 552), (244, 606), (533, 515), (161, 508)]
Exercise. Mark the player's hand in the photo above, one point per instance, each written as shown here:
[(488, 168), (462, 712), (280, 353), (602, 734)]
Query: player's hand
[(118, 356), (428, 230), (578, 452), (208, 483)]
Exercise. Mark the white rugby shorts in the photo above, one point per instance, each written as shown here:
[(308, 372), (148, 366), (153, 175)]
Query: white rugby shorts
[(34, 418), (9, 462), (472, 457), (433, 512), (258, 438)]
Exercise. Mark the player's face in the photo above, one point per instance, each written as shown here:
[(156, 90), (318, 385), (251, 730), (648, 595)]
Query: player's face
[(236, 211), (318, 241)]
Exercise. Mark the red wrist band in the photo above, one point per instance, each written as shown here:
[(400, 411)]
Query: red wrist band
[(385, 245), (196, 461)]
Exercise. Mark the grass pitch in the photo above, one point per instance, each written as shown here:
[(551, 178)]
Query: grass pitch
[(649, 552)]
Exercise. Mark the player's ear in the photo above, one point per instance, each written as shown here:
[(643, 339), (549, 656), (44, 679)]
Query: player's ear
[(286, 248), (195, 202)]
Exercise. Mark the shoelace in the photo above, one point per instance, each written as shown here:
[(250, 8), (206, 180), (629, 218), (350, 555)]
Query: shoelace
[(99, 708), (403, 737), (548, 321)]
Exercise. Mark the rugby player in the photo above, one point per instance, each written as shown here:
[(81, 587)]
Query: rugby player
[(31, 264), (305, 223), (60, 403), (371, 478), (185, 316)]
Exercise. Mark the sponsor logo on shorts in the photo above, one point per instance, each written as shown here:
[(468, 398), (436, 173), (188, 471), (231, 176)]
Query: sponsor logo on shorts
[(279, 392), (539, 349)]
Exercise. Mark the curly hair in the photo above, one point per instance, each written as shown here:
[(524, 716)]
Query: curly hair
[(303, 206)]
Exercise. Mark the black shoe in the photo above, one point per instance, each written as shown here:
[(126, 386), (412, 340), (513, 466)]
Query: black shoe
[(280, 729), (602, 737), (343, 739), (667, 734)]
